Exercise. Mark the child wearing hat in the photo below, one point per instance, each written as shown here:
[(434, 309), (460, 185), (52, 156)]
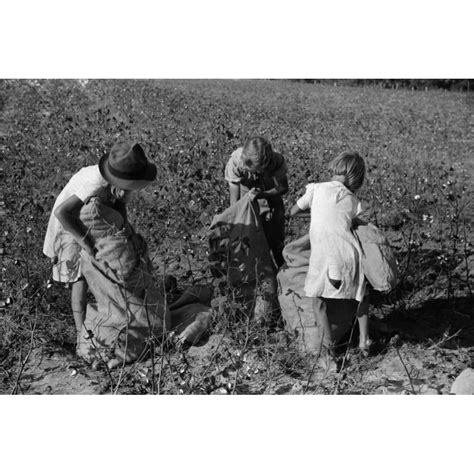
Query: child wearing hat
[(123, 170), (256, 169)]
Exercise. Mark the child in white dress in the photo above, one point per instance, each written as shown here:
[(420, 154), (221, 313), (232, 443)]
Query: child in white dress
[(335, 265)]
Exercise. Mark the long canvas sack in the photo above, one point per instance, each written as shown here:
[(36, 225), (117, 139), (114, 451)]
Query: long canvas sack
[(378, 260)]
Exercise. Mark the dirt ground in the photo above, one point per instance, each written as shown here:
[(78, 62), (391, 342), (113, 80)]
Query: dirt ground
[(396, 367), (418, 351)]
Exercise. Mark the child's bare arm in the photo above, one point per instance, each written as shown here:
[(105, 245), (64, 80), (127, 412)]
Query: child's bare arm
[(296, 210), (234, 190), (66, 214)]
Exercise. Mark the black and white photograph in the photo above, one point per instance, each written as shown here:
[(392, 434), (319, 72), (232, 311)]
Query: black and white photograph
[(237, 237), (214, 214)]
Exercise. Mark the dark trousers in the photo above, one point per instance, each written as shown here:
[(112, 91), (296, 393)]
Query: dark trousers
[(274, 227)]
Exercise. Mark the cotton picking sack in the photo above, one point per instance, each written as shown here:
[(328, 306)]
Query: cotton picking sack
[(239, 251), (297, 309), (378, 261), (130, 304)]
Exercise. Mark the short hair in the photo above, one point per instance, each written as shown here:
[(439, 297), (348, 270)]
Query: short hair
[(350, 165), (257, 153)]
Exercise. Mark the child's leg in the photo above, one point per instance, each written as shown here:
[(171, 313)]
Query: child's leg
[(325, 342), (324, 327), (363, 321), (79, 303)]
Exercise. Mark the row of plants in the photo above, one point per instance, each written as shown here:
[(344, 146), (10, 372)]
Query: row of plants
[(417, 189)]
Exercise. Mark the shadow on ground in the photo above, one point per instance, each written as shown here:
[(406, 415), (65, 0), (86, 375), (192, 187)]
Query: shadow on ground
[(436, 320)]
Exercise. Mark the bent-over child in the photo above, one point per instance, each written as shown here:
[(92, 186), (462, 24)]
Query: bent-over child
[(256, 169), (119, 172), (335, 264)]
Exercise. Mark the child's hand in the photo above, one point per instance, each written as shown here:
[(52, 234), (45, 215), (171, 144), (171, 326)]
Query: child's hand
[(87, 247), (255, 193), (89, 250)]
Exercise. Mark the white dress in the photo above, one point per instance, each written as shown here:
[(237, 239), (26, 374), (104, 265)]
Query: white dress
[(335, 253)]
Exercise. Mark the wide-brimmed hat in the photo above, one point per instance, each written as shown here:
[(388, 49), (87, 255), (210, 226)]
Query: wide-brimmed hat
[(127, 167)]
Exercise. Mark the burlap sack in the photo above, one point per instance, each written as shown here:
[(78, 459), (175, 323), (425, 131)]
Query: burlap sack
[(239, 252), (378, 260), (129, 305), (298, 311)]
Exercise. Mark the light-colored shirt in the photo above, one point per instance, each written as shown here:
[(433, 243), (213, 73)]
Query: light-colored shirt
[(87, 182), (335, 252)]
